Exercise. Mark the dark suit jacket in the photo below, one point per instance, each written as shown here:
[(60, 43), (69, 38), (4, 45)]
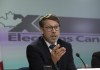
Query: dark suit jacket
[(39, 55), (95, 63)]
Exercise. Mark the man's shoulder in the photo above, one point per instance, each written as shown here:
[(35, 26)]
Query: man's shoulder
[(62, 42), (96, 54), (36, 42)]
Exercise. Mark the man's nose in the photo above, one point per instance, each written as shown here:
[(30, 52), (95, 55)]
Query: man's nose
[(53, 30)]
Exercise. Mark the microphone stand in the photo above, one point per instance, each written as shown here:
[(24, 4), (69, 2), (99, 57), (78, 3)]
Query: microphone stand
[(77, 54)]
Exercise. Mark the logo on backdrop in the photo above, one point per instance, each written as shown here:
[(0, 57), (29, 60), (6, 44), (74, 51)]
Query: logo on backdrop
[(25, 28), (19, 23), (20, 28)]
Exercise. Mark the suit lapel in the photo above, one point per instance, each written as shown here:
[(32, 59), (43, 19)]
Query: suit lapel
[(45, 48)]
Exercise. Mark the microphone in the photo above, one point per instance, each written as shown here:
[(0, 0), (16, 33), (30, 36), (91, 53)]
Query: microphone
[(78, 55)]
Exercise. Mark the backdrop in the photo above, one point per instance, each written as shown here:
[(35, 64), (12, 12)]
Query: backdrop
[(80, 21)]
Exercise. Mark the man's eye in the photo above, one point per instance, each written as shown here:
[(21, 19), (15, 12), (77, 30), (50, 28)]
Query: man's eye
[(56, 27), (50, 27)]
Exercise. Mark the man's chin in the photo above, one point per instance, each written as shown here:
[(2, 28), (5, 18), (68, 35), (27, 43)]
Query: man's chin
[(54, 40)]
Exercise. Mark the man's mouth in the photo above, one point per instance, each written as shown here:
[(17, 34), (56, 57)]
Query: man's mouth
[(53, 37)]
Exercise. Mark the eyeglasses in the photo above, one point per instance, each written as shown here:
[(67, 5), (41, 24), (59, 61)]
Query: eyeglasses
[(50, 28)]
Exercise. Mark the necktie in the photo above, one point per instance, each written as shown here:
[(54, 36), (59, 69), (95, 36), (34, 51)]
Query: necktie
[(52, 46)]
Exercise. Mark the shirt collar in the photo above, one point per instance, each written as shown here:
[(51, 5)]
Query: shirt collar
[(48, 44)]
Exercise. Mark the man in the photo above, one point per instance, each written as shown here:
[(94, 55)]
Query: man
[(39, 54), (95, 62)]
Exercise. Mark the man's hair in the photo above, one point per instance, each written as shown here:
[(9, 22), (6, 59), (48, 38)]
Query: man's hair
[(48, 17)]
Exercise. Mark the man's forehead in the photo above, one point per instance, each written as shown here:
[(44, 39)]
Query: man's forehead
[(51, 22)]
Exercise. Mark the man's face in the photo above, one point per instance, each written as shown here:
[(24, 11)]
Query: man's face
[(51, 31)]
